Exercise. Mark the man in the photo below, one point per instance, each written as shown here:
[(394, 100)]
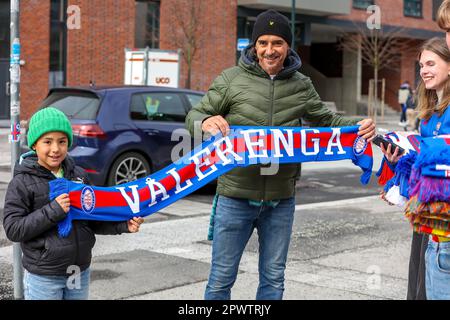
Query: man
[(265, 89)]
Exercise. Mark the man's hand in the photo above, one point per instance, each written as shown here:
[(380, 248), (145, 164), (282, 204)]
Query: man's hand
[(366, 129), (215, 124)]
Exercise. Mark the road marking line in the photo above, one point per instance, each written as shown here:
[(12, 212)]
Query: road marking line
[(335, 203)]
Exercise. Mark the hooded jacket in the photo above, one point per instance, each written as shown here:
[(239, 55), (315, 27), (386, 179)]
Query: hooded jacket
[(246, 95), (31, 219)]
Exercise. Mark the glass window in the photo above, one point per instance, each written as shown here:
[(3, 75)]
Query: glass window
[(157, 107), (4, 29), (75, 105), (57, 43), (412, 8), (147, 24), (194, 99), (362, 4), (436, 5), (137, 108)]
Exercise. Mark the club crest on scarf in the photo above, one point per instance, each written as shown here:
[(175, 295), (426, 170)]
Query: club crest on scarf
[(87, 199), (359, 146), (244, 146)]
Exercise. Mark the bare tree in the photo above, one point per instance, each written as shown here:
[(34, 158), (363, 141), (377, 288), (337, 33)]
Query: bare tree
[(379, 49), (187, 17)]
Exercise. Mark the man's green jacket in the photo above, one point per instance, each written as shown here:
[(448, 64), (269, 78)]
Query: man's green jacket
[(246, 95)]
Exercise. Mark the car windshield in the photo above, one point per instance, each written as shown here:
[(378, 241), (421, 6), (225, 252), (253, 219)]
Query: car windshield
[(76, 105)]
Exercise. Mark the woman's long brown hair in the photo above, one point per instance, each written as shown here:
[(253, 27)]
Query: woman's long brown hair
[(427, 100)]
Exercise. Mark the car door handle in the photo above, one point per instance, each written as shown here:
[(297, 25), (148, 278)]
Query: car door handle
[(152, 132)]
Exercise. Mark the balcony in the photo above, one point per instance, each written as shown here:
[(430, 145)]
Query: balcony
[(309, 7)]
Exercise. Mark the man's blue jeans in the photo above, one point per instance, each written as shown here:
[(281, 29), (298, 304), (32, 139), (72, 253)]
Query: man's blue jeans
[(38, 287), (437, 268), (234, 222)]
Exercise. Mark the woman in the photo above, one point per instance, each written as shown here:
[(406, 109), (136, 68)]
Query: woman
[(433, 99)]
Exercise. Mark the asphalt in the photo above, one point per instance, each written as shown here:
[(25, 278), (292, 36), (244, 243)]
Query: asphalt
[(354, 248)]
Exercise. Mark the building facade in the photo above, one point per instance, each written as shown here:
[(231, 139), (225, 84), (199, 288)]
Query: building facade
[(82, 42)]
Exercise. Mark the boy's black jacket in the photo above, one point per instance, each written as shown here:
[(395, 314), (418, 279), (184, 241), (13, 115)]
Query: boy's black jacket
[(31, 219)]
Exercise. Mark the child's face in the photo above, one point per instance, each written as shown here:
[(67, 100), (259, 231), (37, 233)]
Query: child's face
[(51, 150)]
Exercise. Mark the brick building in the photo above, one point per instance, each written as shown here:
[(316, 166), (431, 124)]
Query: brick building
[(55, 55)]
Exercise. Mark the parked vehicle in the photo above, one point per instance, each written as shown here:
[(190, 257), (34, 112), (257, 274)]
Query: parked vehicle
[(122, 133)]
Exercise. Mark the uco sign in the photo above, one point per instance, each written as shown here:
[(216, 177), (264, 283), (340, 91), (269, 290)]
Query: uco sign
[(160, 80)]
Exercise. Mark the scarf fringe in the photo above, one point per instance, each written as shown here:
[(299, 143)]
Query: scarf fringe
[(58, 187), (385, 173), (211, 218), (365, 177), (402, 174), (65, 226), (430, 189)]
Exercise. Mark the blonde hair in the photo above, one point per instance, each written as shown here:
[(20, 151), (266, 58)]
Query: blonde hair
[(443, 15), (427, 99)]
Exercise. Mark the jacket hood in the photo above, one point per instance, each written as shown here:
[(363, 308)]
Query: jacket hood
[(28, 163), (249, 62)]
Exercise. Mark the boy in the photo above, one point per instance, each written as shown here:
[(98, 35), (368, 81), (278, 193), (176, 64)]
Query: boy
[(31, 219)]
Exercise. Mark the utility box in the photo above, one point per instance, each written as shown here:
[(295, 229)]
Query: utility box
[(152, 67)]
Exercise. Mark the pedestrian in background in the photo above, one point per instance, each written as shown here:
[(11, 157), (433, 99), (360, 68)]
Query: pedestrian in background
[(50, 261), (411, 113), (403, 93), (265, 89)]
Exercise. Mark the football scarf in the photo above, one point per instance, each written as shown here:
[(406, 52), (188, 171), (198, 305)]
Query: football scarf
[(395, 179), (430, 176), (243, 147), (422, 176)]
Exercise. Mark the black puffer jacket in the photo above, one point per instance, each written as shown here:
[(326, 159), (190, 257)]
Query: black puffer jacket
[(31, 219)]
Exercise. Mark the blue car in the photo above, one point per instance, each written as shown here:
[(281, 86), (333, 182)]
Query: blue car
[(124, 133)]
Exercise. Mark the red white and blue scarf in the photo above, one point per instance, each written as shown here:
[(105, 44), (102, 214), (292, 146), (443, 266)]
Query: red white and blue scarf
[(423, 171), (243, 147)]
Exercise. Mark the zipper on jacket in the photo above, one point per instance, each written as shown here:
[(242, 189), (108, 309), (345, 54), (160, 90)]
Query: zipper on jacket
[(270, 123)]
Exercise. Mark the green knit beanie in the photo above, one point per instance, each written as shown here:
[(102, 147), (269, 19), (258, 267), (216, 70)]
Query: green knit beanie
[(47, 120)]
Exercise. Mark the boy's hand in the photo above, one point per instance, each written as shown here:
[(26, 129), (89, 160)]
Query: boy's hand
[(64, 202), (134, 224)]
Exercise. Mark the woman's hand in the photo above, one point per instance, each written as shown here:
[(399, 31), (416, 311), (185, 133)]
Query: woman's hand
[(391, 157)]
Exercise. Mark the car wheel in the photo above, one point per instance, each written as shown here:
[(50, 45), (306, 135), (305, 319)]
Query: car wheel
[(128, 167)]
